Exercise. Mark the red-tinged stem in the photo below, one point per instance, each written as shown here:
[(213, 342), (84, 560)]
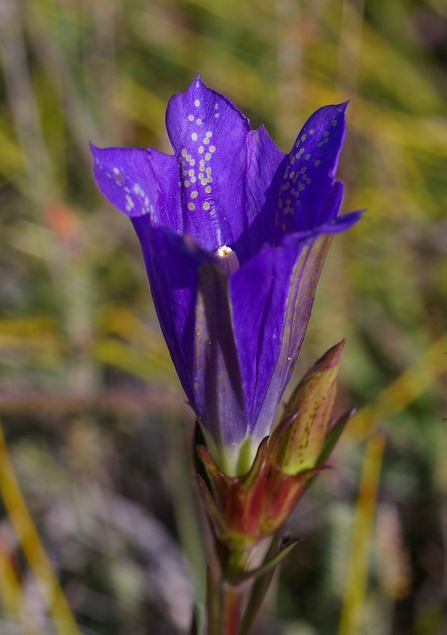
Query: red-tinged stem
[(230, 596), (231, 608)]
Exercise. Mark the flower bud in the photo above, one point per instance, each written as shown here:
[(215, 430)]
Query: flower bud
[(310, 409), (246, 509)]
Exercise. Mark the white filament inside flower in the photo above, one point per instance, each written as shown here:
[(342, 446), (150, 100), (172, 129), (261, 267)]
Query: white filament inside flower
[(227, 258)]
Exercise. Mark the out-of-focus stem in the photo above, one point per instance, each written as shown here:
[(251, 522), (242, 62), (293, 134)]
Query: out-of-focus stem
[(352, 612), (224, 599), (231, 608), (232, 594), (32, 547), (22, 102), (52, 60)]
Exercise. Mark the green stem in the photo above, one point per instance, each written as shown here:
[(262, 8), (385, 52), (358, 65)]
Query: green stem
[(233, 594)]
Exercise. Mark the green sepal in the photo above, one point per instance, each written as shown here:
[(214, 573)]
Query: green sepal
[(210, 506), (311, 406), (235, 503), (330, 443)]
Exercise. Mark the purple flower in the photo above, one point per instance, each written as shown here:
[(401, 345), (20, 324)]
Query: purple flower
[(234, 234)]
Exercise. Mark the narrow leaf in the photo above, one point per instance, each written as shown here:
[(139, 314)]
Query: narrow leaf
[(260, 587), (333, 436), (271, 564)]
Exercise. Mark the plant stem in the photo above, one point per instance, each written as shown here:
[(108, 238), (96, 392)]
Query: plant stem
[(225, 603), (231, 598)]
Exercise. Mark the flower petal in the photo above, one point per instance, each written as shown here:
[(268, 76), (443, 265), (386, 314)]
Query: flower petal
[(190, 292), (272, 298), (253, 298), (140, 182), (265, 168), (208, 134), (173, 265), (341, 223), (303, 264), (218, 391), (310, 171), (233, 336)]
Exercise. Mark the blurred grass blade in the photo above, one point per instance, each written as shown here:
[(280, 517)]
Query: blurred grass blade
[(11, 593), (111, 351), (188, 525), (355, 590), (32, 547), (402, 391), (53, 61), (22, 100)]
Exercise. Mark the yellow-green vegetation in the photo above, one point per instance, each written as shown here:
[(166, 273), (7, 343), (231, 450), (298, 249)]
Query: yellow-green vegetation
[(92, 412)]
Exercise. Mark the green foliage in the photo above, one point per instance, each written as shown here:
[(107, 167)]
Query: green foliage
[(75, 364)]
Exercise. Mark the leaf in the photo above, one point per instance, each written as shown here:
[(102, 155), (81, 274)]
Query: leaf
[(265, 568), (333, 436), (260, 587)]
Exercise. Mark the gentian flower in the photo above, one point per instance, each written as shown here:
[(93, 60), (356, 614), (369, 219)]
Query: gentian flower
[(234, 233)]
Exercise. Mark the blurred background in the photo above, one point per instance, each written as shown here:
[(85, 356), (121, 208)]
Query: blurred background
[(95, 507)]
